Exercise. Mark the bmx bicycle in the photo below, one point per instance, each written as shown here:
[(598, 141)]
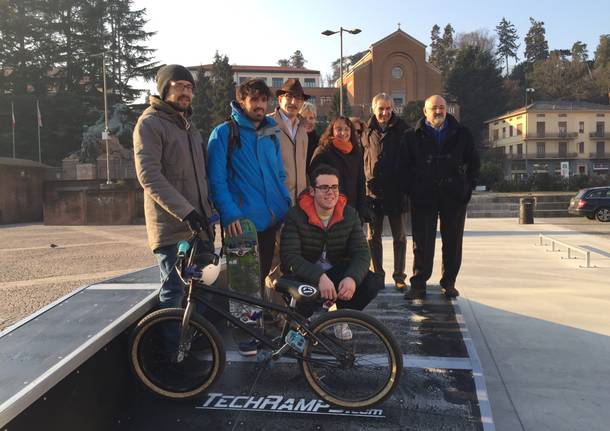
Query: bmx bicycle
[(354, 374)]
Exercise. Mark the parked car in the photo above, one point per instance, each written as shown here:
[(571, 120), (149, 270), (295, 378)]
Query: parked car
[(593, 203)]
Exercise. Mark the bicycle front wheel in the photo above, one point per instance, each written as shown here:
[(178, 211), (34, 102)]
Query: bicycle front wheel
[(170, 370), (357, 372)]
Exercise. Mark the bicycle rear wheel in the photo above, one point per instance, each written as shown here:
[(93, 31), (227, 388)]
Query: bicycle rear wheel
[(158, 364), (357, 373)]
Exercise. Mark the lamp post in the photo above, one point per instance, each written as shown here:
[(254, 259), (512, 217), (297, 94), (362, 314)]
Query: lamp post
[(527, 91), (106, 132), (340, 31)]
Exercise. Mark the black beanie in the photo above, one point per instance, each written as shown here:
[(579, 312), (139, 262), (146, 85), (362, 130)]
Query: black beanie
[(172, 72)]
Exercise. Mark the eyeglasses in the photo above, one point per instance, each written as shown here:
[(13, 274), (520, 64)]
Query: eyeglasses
[(325, 188), (289, 96), (181, 87)]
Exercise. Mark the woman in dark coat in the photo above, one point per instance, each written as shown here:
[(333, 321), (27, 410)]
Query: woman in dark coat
[(339, 148)]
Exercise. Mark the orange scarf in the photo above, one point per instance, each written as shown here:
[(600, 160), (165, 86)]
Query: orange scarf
[(344, 146)]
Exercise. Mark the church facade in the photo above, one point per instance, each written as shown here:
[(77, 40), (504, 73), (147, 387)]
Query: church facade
[(395, 65)]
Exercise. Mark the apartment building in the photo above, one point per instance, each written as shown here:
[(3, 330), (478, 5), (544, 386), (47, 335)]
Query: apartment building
[(545, 136)]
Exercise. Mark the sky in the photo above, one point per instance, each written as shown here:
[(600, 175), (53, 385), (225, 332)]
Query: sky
[(189, 32)]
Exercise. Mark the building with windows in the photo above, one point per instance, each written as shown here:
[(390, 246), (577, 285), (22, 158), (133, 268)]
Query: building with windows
[(275, 76), (395, 65), (538, 137)]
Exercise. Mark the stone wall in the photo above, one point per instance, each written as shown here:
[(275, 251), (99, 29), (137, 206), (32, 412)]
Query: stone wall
[(21, 192)]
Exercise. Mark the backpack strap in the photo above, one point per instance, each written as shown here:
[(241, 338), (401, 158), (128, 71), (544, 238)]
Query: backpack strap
[(234, 141)]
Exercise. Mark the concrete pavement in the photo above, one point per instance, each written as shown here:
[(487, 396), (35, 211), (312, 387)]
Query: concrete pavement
[(540, 323)]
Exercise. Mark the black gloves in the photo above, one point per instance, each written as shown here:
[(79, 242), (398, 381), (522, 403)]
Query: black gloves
[(196, 222)]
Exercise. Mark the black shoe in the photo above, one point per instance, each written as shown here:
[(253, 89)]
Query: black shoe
[(450, 292), (415, 293)]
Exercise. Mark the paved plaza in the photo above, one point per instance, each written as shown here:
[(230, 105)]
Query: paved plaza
[(539, 321)]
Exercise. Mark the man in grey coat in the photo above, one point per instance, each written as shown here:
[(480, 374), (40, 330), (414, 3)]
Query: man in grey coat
[(170, 161)]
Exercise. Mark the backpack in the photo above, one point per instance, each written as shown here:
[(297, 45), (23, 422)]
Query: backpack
[(234, 141)]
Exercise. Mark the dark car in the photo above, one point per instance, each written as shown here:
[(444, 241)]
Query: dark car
[(593, 203)]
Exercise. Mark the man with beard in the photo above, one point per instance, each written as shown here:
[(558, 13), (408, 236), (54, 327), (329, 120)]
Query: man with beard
[(442, 163), (170, 164), (247, 178), (381, 142)]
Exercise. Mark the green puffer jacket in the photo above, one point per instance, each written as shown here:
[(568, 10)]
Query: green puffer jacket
[(304, 237)]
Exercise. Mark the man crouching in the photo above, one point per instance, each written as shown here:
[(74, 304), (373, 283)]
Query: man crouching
[(323, 244)]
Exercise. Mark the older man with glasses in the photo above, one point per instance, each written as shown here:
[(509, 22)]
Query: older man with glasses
[(323, 244), (381, 142)]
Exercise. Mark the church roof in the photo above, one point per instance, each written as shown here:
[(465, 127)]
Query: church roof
[(396, 33)]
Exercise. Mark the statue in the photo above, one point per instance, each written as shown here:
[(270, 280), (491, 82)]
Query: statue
[(119, 125)]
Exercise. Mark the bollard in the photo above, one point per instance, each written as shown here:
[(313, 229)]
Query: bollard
[(526, 210)]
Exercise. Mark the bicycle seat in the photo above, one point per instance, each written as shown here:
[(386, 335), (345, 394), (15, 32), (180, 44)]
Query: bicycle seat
[(300, 291)]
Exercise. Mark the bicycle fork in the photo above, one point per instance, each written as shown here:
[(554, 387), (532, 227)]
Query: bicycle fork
[(186, 334)]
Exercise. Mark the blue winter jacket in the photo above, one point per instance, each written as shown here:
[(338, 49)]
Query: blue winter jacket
[(254, 188)]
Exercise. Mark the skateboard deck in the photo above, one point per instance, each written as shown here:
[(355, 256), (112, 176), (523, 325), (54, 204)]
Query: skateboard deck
[(243, 265)]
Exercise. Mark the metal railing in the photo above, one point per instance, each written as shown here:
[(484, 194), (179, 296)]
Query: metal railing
[(569, 248)]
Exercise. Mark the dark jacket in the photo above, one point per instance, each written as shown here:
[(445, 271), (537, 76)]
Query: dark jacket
[(312, 143), (351, 173), (381, 153), (447, 172), (170, 164), (304, 238)]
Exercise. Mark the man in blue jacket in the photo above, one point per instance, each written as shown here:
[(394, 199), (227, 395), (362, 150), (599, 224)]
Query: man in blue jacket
[(247, 178)]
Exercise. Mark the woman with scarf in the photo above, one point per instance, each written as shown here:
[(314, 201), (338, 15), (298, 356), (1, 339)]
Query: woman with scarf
[(339, 148)]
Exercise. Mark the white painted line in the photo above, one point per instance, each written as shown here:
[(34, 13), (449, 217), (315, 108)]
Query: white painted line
[(125, 286), (477, 373), (409, 361)]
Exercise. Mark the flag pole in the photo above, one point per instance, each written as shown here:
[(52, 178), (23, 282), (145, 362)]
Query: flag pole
[(13, 126), (39, 122)]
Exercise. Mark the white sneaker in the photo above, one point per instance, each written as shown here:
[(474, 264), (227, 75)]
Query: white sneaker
[(342, 331)]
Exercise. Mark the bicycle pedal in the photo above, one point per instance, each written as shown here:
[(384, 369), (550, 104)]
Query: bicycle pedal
[(264, 356), (295, 340)]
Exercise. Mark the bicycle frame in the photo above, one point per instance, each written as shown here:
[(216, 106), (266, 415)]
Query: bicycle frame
[(195, 289)]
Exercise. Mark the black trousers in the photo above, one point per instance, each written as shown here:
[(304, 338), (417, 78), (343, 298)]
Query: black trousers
[(423, 223), (397, 226), (365, 292), (266, 248)]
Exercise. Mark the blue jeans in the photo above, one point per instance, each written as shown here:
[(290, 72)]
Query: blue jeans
[(172, 289)]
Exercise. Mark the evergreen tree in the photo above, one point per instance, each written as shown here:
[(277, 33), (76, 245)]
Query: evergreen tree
[(536, 46), (435, 46), (579, 51), (442, 52), (333, 112), (347, 62), (283, 62), (602, 53), (476, 82), (556, 78), (413, 111), (297, 60), (202, 110), (507, 41), (222, 89), (128, 57)]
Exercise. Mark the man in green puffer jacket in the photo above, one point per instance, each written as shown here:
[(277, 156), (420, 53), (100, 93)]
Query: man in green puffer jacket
[(323, 244)]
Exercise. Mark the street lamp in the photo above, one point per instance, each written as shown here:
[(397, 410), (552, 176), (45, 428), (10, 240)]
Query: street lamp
[(106, 132), (527, 130), (340, 31), (529, 90)]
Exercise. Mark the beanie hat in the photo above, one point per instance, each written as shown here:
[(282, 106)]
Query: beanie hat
[(172, 72)]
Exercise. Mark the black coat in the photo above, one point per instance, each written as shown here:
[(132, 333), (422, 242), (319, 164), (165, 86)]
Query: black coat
[(446, 173), (381, 155), (351, 170), (312, 143)]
